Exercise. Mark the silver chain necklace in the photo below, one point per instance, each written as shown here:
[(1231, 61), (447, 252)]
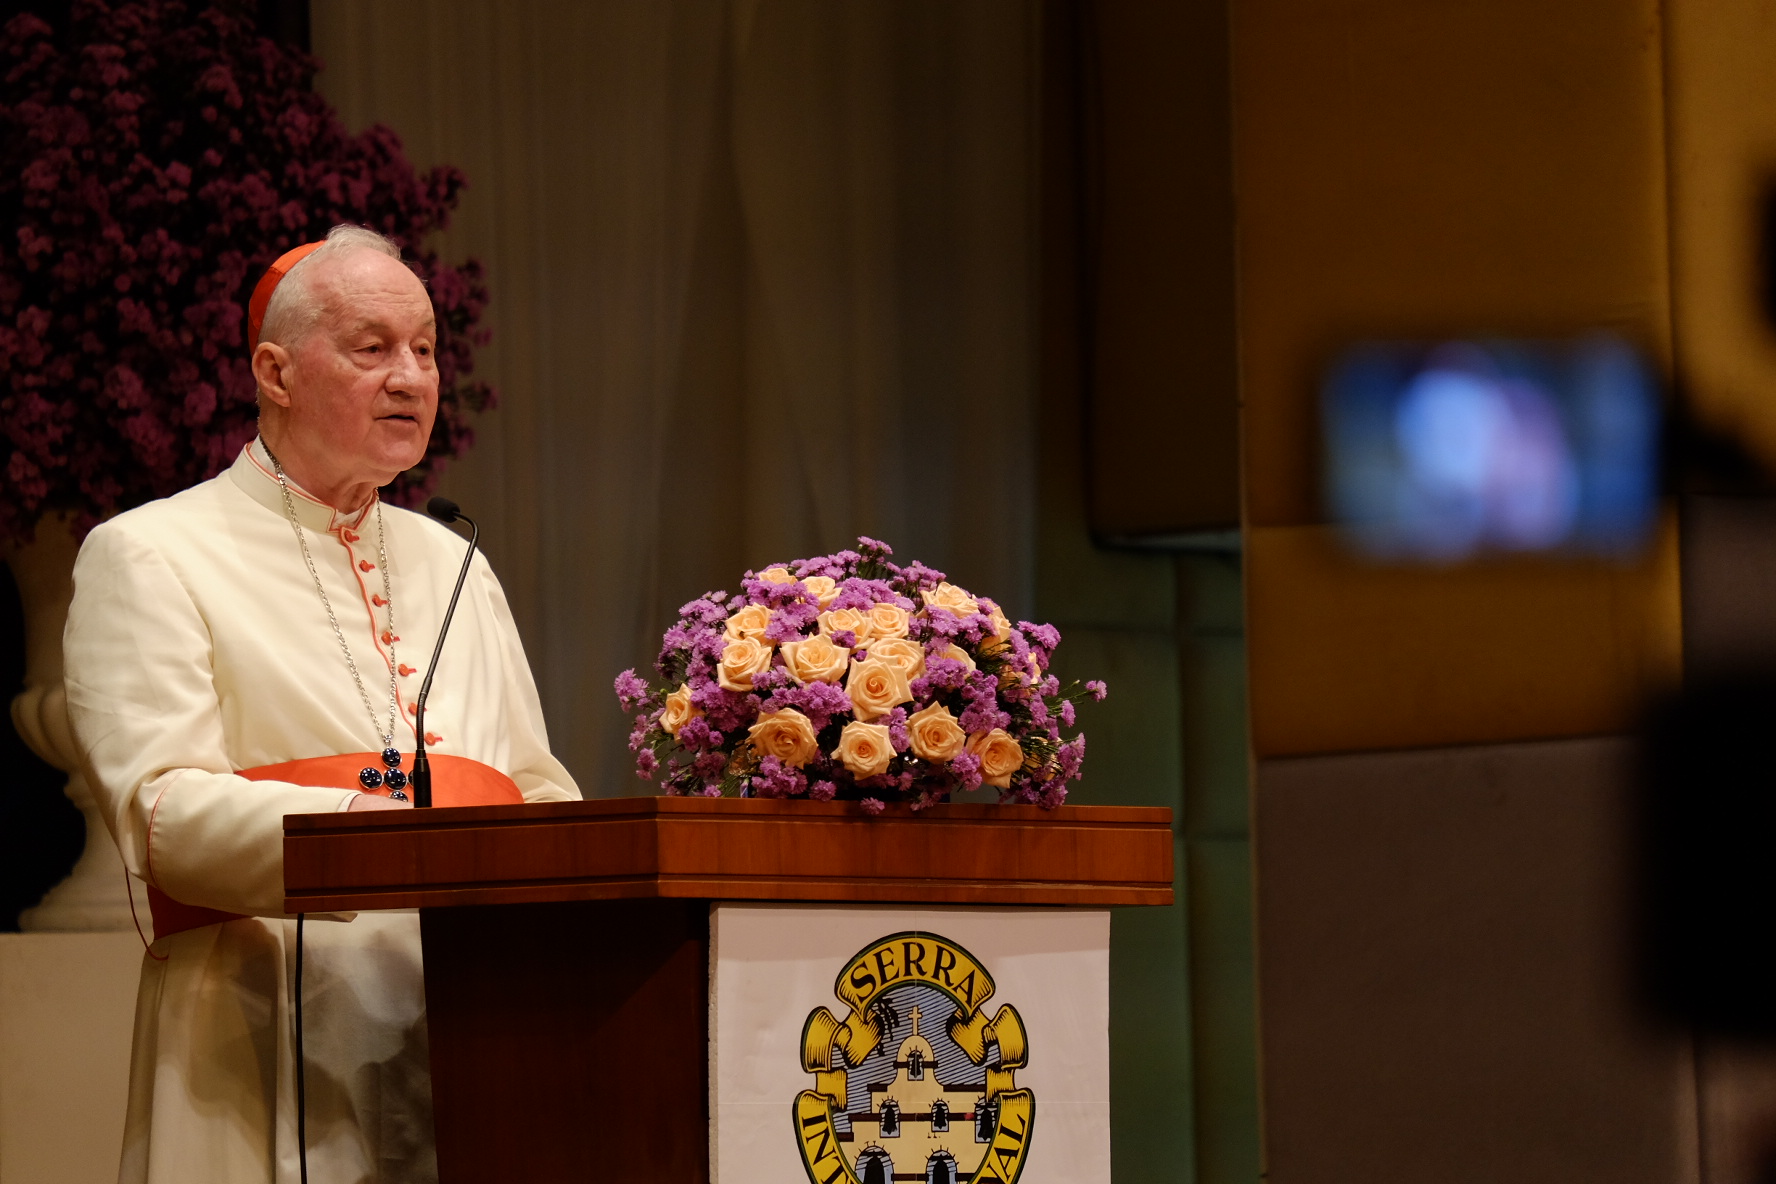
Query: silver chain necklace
[(369, 777)]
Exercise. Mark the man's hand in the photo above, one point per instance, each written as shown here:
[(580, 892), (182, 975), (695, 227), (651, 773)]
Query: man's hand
[(371, 801)]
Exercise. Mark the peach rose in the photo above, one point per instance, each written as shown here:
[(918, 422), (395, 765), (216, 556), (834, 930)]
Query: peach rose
[(822, 588), (898, 651), (742, 659), (951, 599), (887, 620), (957, 654), (876, 688), (1011, 676), (679, 710), (748, 622), (815, 659), (865, 749), (1001, 631), (776, 575), (935, 734), (1000, 756), (787, 735), (840, 619)]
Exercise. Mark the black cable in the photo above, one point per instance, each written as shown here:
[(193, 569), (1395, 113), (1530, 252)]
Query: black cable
[(301, 1072)]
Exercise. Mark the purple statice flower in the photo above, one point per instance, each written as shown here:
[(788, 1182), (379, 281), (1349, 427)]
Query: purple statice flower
[(819, 701), (766, 681), (709, 610), (792, 621), (853, 593), (1067, 713), (844, 637), (1049, 687), (713, 790), (942, 625), (897, 729), (1045, 636), (1070, 757), (709, 644), (874, 548), (982, 713), (632, 689), (1038, 712), (728, 711), (645, 764), (945, 674), (638, 735), (927, 797), (922, 577), (1053, 794), (709, 765), (967, 770), (1098, 689), (823, 791), (775, 779), (872, 806)]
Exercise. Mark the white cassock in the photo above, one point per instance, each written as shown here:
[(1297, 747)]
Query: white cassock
[(197, 647)]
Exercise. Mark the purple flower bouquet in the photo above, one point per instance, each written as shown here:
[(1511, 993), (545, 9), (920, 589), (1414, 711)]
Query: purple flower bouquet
[(850, 677)]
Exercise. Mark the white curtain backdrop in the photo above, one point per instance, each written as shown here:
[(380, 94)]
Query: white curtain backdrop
[(762, 277)]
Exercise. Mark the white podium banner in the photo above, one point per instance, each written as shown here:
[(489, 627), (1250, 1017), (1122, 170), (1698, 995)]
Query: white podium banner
[(871, 1044)]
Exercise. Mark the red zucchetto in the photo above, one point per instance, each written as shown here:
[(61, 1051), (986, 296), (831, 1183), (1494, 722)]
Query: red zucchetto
[(268, 284)]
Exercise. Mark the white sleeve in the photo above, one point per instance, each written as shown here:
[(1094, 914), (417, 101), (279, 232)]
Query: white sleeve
[(540, 777), (142, 701)]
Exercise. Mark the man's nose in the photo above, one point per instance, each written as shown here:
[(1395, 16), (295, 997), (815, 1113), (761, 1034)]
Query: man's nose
[(407, 374)]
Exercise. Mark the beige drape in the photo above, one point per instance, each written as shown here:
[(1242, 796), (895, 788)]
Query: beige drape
[(762, 281)]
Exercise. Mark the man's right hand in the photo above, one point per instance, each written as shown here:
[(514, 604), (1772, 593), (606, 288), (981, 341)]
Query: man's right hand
[(371, 801)]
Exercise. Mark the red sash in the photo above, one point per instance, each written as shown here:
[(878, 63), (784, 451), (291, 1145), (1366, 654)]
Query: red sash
[(456, 781)]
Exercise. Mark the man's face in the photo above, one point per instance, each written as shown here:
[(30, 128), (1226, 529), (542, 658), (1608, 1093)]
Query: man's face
[(363, 382)]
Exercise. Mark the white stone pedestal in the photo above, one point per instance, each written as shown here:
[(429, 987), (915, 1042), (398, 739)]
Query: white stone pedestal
[(67, 1006)]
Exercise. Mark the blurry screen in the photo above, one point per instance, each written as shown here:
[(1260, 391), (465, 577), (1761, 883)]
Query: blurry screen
[(1441, 451)]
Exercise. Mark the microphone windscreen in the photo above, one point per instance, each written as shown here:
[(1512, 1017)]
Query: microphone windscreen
[(443, 509)]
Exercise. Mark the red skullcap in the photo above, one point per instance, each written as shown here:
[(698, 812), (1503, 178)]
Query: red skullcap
[(268, 283)]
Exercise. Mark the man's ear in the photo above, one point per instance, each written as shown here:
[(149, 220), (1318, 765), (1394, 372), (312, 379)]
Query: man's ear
[(271, 369)]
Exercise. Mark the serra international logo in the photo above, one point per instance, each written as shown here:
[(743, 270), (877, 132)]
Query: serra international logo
[(915, 1083)]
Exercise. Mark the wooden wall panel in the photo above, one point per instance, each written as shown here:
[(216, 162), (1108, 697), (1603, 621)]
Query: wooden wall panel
[(1408, 169)]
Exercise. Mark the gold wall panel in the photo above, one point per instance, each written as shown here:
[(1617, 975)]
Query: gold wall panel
[(1346, 657), (1404, 170), (1723, 161)]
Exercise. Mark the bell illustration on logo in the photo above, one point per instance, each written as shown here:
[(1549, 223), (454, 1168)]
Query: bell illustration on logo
[(916, 1082)]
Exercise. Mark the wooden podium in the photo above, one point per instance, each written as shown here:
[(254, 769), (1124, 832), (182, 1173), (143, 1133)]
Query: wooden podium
[(567, 944)]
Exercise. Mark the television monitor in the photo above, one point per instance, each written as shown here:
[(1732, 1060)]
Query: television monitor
[(1441, 451)]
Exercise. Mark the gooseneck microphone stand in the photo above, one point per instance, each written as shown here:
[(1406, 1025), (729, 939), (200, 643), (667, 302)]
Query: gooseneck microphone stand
[(445, 511)]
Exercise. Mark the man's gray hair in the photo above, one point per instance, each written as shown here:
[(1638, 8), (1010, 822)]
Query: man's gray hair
[(294, 306)]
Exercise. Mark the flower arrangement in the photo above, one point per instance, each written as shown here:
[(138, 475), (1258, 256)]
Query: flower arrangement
[(155, 157), (850, 677)]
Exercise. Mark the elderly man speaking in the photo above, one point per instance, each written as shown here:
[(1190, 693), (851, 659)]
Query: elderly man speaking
[(251, 648)]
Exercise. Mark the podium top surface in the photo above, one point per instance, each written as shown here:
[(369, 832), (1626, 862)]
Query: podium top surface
[(727, 849)]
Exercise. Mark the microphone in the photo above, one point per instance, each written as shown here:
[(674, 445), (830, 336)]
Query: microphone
[(445, 511)]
